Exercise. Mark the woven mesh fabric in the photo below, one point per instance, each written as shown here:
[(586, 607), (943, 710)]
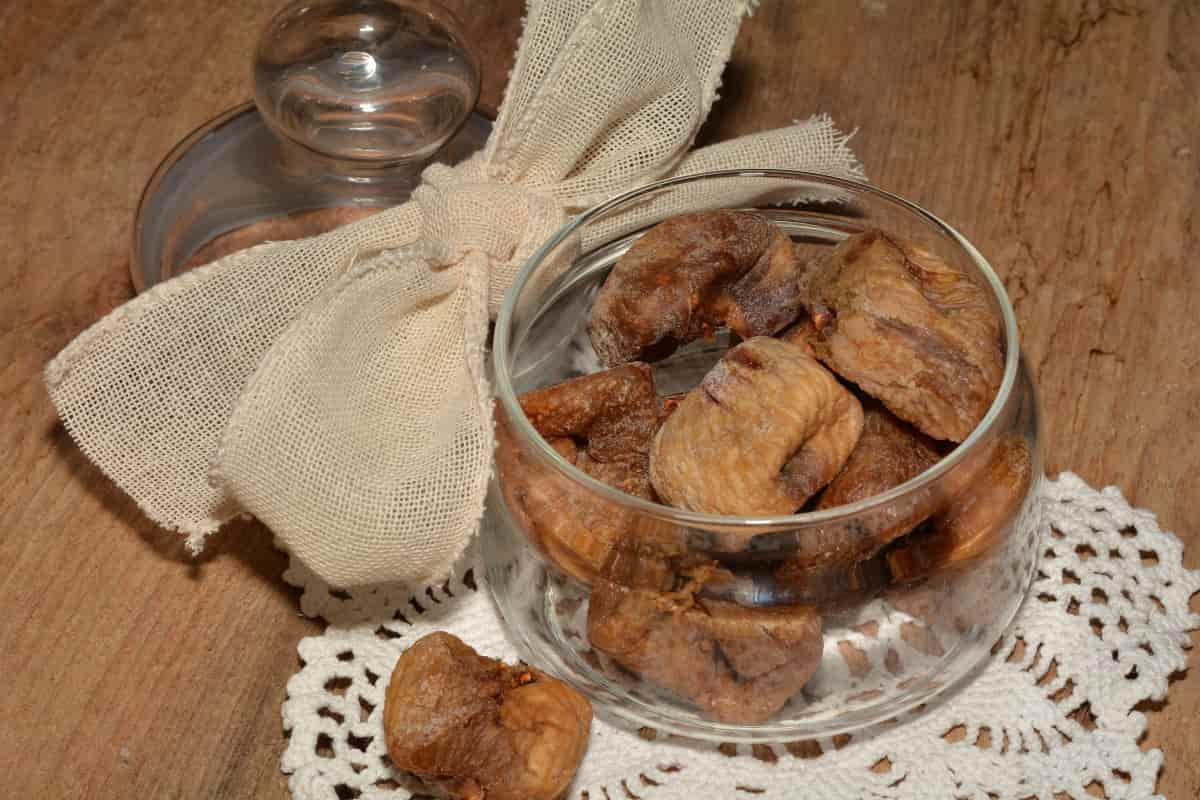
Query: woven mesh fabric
[(335, 387)]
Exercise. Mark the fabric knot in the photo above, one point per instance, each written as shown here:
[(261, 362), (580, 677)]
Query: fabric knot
[(467, 213)]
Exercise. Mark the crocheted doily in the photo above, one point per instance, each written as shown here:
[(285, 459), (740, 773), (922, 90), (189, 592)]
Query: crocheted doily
[(1052, 712)]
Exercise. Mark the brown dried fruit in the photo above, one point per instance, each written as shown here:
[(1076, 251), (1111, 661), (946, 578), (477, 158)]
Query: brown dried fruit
[(804, 333), (739, 664), (688, 276), (974, 519), (836, 555), (615, 413), (474, 728), (603, 424), (765, 429), (911, 330), (888, 453)]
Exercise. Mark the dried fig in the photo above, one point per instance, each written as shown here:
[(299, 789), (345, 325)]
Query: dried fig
[(888, 453), (973, 519), (473, 728), (691, 274), (838, 553), (765, 429), (603, 424), (911, 330), (739, 664), (804, 333), (615, 414)]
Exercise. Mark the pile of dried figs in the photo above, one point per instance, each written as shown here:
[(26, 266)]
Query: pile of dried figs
[(856, 370)]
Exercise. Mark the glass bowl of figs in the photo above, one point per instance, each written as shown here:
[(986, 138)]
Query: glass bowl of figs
[(767, 457)]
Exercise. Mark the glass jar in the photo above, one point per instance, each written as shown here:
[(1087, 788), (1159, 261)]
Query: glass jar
[(712, 626)]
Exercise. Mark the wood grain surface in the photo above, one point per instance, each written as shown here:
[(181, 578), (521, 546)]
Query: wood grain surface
[(1062, 137)]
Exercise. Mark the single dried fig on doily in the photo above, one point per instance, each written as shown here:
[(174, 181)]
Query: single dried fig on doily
[(766, 428), (603, 424), (690, 275), (974, 518), (739, 664), (473, 728), (910, 330)]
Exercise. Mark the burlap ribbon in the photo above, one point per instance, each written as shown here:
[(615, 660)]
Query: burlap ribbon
[(335, 387)]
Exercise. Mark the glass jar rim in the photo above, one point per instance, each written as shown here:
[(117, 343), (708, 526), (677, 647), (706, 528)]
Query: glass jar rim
[(524, 430)]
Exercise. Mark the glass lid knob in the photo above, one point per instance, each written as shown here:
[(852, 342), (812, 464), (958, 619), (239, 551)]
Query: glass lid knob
[(375, 82)]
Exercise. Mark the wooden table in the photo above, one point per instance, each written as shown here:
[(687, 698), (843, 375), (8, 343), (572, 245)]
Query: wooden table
[(1062, 137)]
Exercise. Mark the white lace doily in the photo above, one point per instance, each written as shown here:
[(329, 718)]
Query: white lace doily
[(1054, 710)]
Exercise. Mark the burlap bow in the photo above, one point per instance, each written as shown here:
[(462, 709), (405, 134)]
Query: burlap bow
[(335, 387)]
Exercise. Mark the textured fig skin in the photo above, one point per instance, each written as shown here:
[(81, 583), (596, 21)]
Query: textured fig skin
[(951, 569), (739, 664), (764, 431), (910, 330), (888, 453), (980, 502), (473, 728), (690, 275), (603, 424), (615, 412)]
